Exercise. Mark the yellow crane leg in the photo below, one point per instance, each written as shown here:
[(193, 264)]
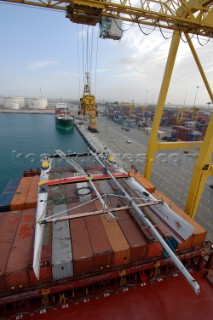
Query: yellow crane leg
[(92, 123), (199, 67), (203, 168), (152, 144)]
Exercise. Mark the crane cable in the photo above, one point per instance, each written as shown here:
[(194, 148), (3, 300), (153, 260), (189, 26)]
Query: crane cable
[(87, 53), (79, 80), (96, 64)]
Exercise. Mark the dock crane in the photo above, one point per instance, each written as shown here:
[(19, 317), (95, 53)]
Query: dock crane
[(188, 17)]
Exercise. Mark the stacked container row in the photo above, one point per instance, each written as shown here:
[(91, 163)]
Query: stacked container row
[(19, 199), (16, 273), (9, 222), (8, 194)]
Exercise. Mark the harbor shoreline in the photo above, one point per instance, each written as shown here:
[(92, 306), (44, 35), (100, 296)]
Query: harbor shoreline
[(27, 111)]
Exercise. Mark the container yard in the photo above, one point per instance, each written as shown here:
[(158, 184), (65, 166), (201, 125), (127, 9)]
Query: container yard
[(185, 124)]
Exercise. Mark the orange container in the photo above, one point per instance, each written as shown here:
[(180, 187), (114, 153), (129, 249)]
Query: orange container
[(144, 182), (137, 241), (32, 196), (102, 250), (116, 238), (199, 235), (19, 199), (71, 192)]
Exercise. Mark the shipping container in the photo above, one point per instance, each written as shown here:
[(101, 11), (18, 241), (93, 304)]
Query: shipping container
[(116, 238), (137, 241), (102, 250), (8, 193), (13, 182), (62, 266), (16, 273), (82, 250), (144, 182), (8, 226), (57, 194), (72, 193), (154, 249), (108, 189), (32, 196), (2, 216), (5, 201), (108, 194), (19, 199)]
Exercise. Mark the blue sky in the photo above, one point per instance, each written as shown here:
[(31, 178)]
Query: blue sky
[(40, 48)]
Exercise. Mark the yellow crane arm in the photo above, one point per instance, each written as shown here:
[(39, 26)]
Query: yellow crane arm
[(192, 16)]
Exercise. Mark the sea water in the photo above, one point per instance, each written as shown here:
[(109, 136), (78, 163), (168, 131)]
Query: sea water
[(25, 138)]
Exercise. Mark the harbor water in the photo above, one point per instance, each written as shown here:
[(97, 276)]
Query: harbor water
[(25, 138)]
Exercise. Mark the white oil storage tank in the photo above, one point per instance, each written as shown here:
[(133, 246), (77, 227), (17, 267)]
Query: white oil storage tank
[(37, 103), (14, 103), (2, 101)]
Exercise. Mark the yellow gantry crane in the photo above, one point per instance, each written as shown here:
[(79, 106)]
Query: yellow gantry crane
[(88, 106), (186, 17), (193, 110)]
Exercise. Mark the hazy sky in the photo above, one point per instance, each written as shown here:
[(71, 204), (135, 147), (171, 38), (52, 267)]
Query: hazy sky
[(42, 52)]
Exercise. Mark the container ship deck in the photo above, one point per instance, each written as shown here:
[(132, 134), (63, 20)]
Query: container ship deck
[(98, 255)]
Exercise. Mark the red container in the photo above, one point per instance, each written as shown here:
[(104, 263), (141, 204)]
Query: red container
[(81, 248), (45, 275), (137, 241), (71, 192), (32, 196), (17, 280), (102, 250), (19, 199), (112, 188), (154, 249), (2, 215), (116, 238), (8, 229), (59, 194), (16, 274)]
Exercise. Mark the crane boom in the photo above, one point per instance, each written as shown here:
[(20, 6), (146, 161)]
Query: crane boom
[(192, 16)]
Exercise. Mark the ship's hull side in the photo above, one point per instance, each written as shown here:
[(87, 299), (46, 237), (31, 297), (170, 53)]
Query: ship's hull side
[(64, 124)]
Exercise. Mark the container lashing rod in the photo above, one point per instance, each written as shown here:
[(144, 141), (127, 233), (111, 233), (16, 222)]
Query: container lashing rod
[(146, 221)]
